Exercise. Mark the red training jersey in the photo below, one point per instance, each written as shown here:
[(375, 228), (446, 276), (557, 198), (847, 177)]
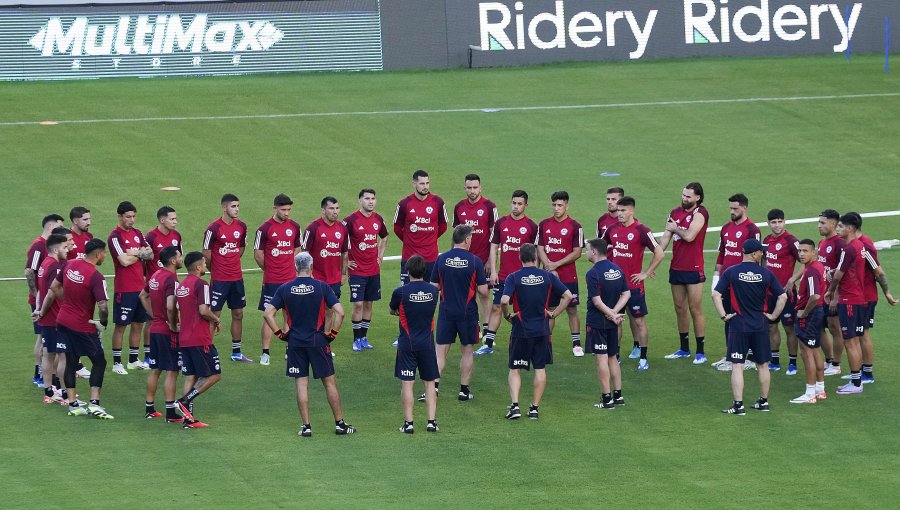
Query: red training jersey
[(190, 294), (481, 216), (626, 249), (731, 242), (83, 287), (362, 236), (326, 243), (157, 241), (829, 252), (870, 291), (160, 286), (78, 243), (225, 242), (130, 278), (688, 255), (559, 238), (853, 264), (48, 272), (418, 224), (782, 255), (278, 241), (37, 251), (605, 222), (811, 283), (510, 234)]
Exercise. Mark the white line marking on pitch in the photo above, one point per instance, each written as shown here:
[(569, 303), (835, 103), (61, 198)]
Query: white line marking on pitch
[(685, 102)]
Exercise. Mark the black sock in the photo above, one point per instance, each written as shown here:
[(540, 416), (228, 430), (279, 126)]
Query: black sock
[(643, 352), (357, 332), (407, 423), (436, 385), (636, 344), (133, 354), (170, 409), (828, 361), (265, 351), (340, 423), (57, 384), (685, 339), (607, 398), (464, 388), (738, 403), (430, 422), (235, 346), (37, 371), (515, 404), (763, 400), (95, 401), (364, 328), (117, 356), (835, 363), (484, 328), (867, 371), (617, 393), (776, 358), (78, 367), (701, 349), (65, 394), (48, 392), (190, 395), (489, 337), (150, 407), (792, 359)]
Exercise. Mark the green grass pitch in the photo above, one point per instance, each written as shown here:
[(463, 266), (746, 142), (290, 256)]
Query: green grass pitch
[(669, 447)]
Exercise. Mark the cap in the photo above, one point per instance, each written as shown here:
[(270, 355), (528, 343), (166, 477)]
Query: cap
[(752, 245)]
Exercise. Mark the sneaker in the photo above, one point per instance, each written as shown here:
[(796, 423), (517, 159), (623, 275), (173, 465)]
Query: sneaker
[(619, 401), (357, 345), (264, 359), (761, 405), (179, 419), (849, 389), (719, 363), (635, 352), (577, 351), (643, 365), (364, 343), (845, 377), (407, 428), (699, 359), (804, 399), (137, 365), (605, 405), (463, 396), (344, 429), (422, 396), (78, 411), (533, 412), (55, 399), (394, 344), (432, 427), (98, 412), (833, 370), (749, 365), (868, 379), (723, 367), (484, 349), (39, 382), (154, 414), (791, 369), (678, 354), (305, 431), (240, 357), (81, 403), (513, 412), (194, 424), (84, 373), (774, 367), (119, 369), (739, 411), (821, 396), (184, 411)]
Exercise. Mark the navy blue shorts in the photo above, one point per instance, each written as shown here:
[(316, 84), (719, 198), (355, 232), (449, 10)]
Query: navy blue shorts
[(602, 341), (408, 361), (528, 353), (573, 288), (497, 291), (870, 315), (677, 277), (828, 313), (336, 288), (164, 352), (52, 340), (299, 359), (853, 320), (809, 329), (34, 325), (127, 308), (637, 303), (200, 361), (227, 292), (266, 295), (739, 342), (365, 288), (468, 330), (404, 277), (788, 313), (80, 344)]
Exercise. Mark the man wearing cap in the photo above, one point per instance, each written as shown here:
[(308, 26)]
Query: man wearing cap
[(747, 284)]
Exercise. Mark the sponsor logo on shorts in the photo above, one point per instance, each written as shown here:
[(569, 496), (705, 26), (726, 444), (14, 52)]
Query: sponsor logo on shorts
[(407, 373), (520, 363)]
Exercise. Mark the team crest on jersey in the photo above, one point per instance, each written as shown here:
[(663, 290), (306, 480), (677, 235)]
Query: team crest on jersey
[(429, 209), (828, 249), (564, 231), (456, 262), (522, 230), (237, 234), (337, 235), (481, 212), (421, 297), (75, 276), (137, 239), (289, 232), (738, 234), (375, 226), (631, 236), (778, 246), (532, 279), (750, 277), (612, 274), (687, 218), (302, 289)]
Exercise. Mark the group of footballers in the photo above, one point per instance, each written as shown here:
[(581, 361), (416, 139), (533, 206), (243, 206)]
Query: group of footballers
[(823, 294)]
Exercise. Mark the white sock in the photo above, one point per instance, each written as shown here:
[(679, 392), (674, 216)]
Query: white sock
[(810, 389), (820, 386)]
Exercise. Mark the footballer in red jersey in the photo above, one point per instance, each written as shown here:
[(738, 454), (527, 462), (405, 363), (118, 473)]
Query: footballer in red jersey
[(611, 216), (845, 292), (278, 239), (81, 224), (420, 219), (223, 246), (559, 241), (162, 236), (782, 256), (53, 353), (326, 240), (35, 256), (874, 273), (686, 229), (810, 320), (627, 241), (507, 237), (479, 213), (367, 237), (830, 247), (129, 252)]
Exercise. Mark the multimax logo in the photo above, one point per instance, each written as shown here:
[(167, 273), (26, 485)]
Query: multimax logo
[(161, 34)]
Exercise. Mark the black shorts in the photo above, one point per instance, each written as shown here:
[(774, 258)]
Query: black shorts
[(336, 288), (828, 313), (299, 359), (809, 329), (127, 308), (788, 313), (164, 353), (497, 291), (34, 325), (637, 303), (80, 344), (602, 341), (870, 315), (266, 295), (853, 319), (573, 288), (468, 331), (404, 276), (365, 288), (528, 353), (232, 293), (677, 277), (739, 342), (408, 361), (200, 361), (52, 340)]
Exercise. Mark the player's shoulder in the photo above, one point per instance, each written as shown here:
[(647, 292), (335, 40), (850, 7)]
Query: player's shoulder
[(350, 218), (573, 222), (488, 203), (437, 199)]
